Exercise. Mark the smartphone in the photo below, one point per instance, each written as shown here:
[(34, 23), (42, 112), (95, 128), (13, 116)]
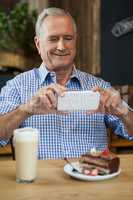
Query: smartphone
[(78, 100)]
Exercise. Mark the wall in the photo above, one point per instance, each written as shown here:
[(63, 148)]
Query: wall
[(116, 53)]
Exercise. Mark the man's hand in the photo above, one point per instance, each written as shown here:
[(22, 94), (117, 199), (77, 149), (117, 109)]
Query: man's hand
[(111, 102), (45, 100)]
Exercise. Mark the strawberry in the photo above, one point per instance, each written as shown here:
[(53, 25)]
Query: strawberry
[(87, 172), (94, 172), (106, 152)]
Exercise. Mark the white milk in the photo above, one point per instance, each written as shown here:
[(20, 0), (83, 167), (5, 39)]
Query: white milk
[(26, 145)]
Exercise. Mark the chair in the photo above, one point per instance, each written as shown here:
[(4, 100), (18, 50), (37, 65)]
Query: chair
[(116, 142), (8, 150)]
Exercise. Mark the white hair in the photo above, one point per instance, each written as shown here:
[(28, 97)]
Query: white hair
[(51, 12)]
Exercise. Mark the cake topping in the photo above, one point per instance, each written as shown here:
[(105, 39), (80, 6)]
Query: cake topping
[(106, 152), (94, 152)]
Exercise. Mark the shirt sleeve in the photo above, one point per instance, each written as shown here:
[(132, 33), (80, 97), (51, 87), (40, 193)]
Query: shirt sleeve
[(117, 126), (9, 100)]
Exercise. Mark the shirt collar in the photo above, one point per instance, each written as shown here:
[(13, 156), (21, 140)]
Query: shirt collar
[(76, 75), (43, 72)]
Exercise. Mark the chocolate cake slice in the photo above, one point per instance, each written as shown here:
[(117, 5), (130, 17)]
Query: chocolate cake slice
[(99, 163)]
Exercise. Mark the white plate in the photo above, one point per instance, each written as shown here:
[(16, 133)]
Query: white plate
[(68, 170)]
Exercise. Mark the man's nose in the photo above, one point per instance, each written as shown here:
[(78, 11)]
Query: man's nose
[(60, 45)]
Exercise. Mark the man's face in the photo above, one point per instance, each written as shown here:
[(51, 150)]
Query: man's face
[(57, 42)]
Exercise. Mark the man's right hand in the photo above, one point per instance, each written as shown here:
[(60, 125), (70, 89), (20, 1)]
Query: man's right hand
[(45, 100), (111, 102)]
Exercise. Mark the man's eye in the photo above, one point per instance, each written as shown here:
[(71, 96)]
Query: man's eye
[(53, 39), (68, 38)]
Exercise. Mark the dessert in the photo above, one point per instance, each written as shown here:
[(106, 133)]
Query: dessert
[(99, 163)]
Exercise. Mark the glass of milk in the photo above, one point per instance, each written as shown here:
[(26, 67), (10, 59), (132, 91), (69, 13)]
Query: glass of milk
[(26, 150)]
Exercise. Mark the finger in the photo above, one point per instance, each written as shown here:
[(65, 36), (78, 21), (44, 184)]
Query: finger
[(113, 101), (116, 101), (46, 102), (58, 89), (122, 111), (96, 89), (107, 95), (52, 98), (101, 108), (104, 98), (104, 93)]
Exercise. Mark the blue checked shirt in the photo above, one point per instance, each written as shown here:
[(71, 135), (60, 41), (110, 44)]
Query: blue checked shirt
[(60, 135)]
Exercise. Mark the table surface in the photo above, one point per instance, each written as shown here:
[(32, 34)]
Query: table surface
[(53, 183)]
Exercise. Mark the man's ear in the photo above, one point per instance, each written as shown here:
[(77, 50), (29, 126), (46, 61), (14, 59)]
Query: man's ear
[(37, 43)]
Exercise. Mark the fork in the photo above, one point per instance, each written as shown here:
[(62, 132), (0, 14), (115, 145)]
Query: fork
[(73, 167)]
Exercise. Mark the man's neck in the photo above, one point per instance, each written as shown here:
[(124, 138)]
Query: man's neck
[(63, 76)]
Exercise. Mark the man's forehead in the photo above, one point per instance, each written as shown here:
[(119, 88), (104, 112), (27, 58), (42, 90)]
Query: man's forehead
[(57, 25), (55, 21)]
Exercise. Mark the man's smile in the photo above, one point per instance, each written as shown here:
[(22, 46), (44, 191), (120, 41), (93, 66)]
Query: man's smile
[(58, 54)]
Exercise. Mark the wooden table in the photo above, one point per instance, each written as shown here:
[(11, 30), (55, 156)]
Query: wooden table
[(53, 183)]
